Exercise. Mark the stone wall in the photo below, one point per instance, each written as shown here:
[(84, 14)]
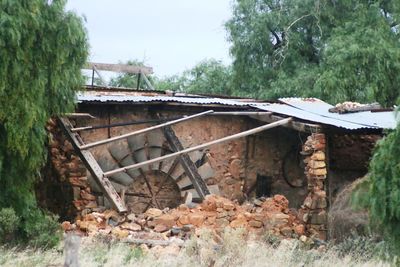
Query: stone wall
[(349, 156), (67, 176)]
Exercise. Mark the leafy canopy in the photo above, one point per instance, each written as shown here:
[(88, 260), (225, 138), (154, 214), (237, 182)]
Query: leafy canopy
[(42, 50), (335, 50), (384, 180)]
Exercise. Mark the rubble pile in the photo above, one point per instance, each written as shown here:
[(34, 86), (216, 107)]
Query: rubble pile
[(215, 212)]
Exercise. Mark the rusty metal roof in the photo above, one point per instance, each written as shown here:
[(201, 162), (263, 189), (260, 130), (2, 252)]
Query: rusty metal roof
[(315, 110), (309, 109), (138, 97)]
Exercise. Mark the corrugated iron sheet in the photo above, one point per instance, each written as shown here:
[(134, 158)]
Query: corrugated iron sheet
[(315, 110), (309, 109), (131, 98)]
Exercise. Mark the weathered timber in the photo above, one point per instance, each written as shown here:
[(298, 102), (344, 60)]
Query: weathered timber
[(241, 113), (112, 125), (295, 125), (119, 68), (79, 115), (93, 167), (202, 146), (105, 141), (187, 164)]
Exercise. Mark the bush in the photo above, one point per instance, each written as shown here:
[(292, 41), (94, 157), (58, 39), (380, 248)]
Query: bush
[(9, 223), (42, 229)]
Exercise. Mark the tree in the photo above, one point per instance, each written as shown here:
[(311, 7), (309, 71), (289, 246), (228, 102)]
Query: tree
[(384, 186), (207, 77), (42, 50), (335, 50)]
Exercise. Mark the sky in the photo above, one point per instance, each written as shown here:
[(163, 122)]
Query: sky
[(170, 36)]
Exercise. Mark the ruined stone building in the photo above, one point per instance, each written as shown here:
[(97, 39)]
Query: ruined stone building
[(306, 158)]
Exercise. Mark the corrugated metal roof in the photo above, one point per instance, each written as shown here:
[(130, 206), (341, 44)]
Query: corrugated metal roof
[(315, 110), (310, 109), (135, 98)]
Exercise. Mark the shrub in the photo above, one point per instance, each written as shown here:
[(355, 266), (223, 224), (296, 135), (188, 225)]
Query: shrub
[(9, 223), (42, 229)]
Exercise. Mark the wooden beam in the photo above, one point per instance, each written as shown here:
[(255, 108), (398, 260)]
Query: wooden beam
[(199, 147), (295, 125), (93, 167), (190, 168), (105, 141), (240, 113), (119, 68), (79, 115)]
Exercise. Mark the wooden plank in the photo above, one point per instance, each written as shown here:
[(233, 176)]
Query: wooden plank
[(187, 164), (119, 68), (295, 125), (202, 146), (79, 115), (93, 167), (240, 113), (101, 142)]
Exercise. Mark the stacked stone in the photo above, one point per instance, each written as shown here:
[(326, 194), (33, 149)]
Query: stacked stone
[(216, 213), (69, 169), (313, 211)]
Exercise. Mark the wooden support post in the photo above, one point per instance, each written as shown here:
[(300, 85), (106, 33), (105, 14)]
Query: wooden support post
[(143, 130), (199, 147), (147, 82), (187, 164), (93, 167)]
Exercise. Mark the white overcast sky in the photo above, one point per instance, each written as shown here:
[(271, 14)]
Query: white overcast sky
[(170, 35)]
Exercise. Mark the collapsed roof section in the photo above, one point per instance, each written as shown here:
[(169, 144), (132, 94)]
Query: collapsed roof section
[(311, 110)]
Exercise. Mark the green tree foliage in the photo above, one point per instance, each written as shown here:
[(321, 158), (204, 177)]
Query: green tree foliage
[(129, 80), (335, 50), (384, 181), (207, 77), (42, 49)]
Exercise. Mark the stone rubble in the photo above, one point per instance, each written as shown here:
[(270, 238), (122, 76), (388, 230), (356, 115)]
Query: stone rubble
[(263, 215)]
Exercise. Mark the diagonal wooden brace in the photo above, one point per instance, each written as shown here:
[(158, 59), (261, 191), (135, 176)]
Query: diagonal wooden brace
[(187, 164), (93, 167)]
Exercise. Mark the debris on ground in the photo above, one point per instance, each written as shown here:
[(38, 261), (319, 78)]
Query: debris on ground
[(262, 215)]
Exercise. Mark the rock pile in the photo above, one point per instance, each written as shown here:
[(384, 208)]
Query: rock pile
[(215, 212)]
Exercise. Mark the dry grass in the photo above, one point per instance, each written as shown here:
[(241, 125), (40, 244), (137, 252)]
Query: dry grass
[(344, 220), (231, 250)]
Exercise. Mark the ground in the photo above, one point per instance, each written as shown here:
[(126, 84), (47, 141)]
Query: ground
[(233, 248)]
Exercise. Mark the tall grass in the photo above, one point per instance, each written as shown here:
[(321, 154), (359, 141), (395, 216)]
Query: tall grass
[(233, 248)]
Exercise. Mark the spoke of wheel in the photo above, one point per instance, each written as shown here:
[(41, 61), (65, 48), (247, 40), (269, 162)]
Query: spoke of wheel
[(148, 205), (143, 175), (137, 195)]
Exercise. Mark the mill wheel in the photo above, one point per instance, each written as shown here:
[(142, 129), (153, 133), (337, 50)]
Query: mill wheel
[(158, 185)]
